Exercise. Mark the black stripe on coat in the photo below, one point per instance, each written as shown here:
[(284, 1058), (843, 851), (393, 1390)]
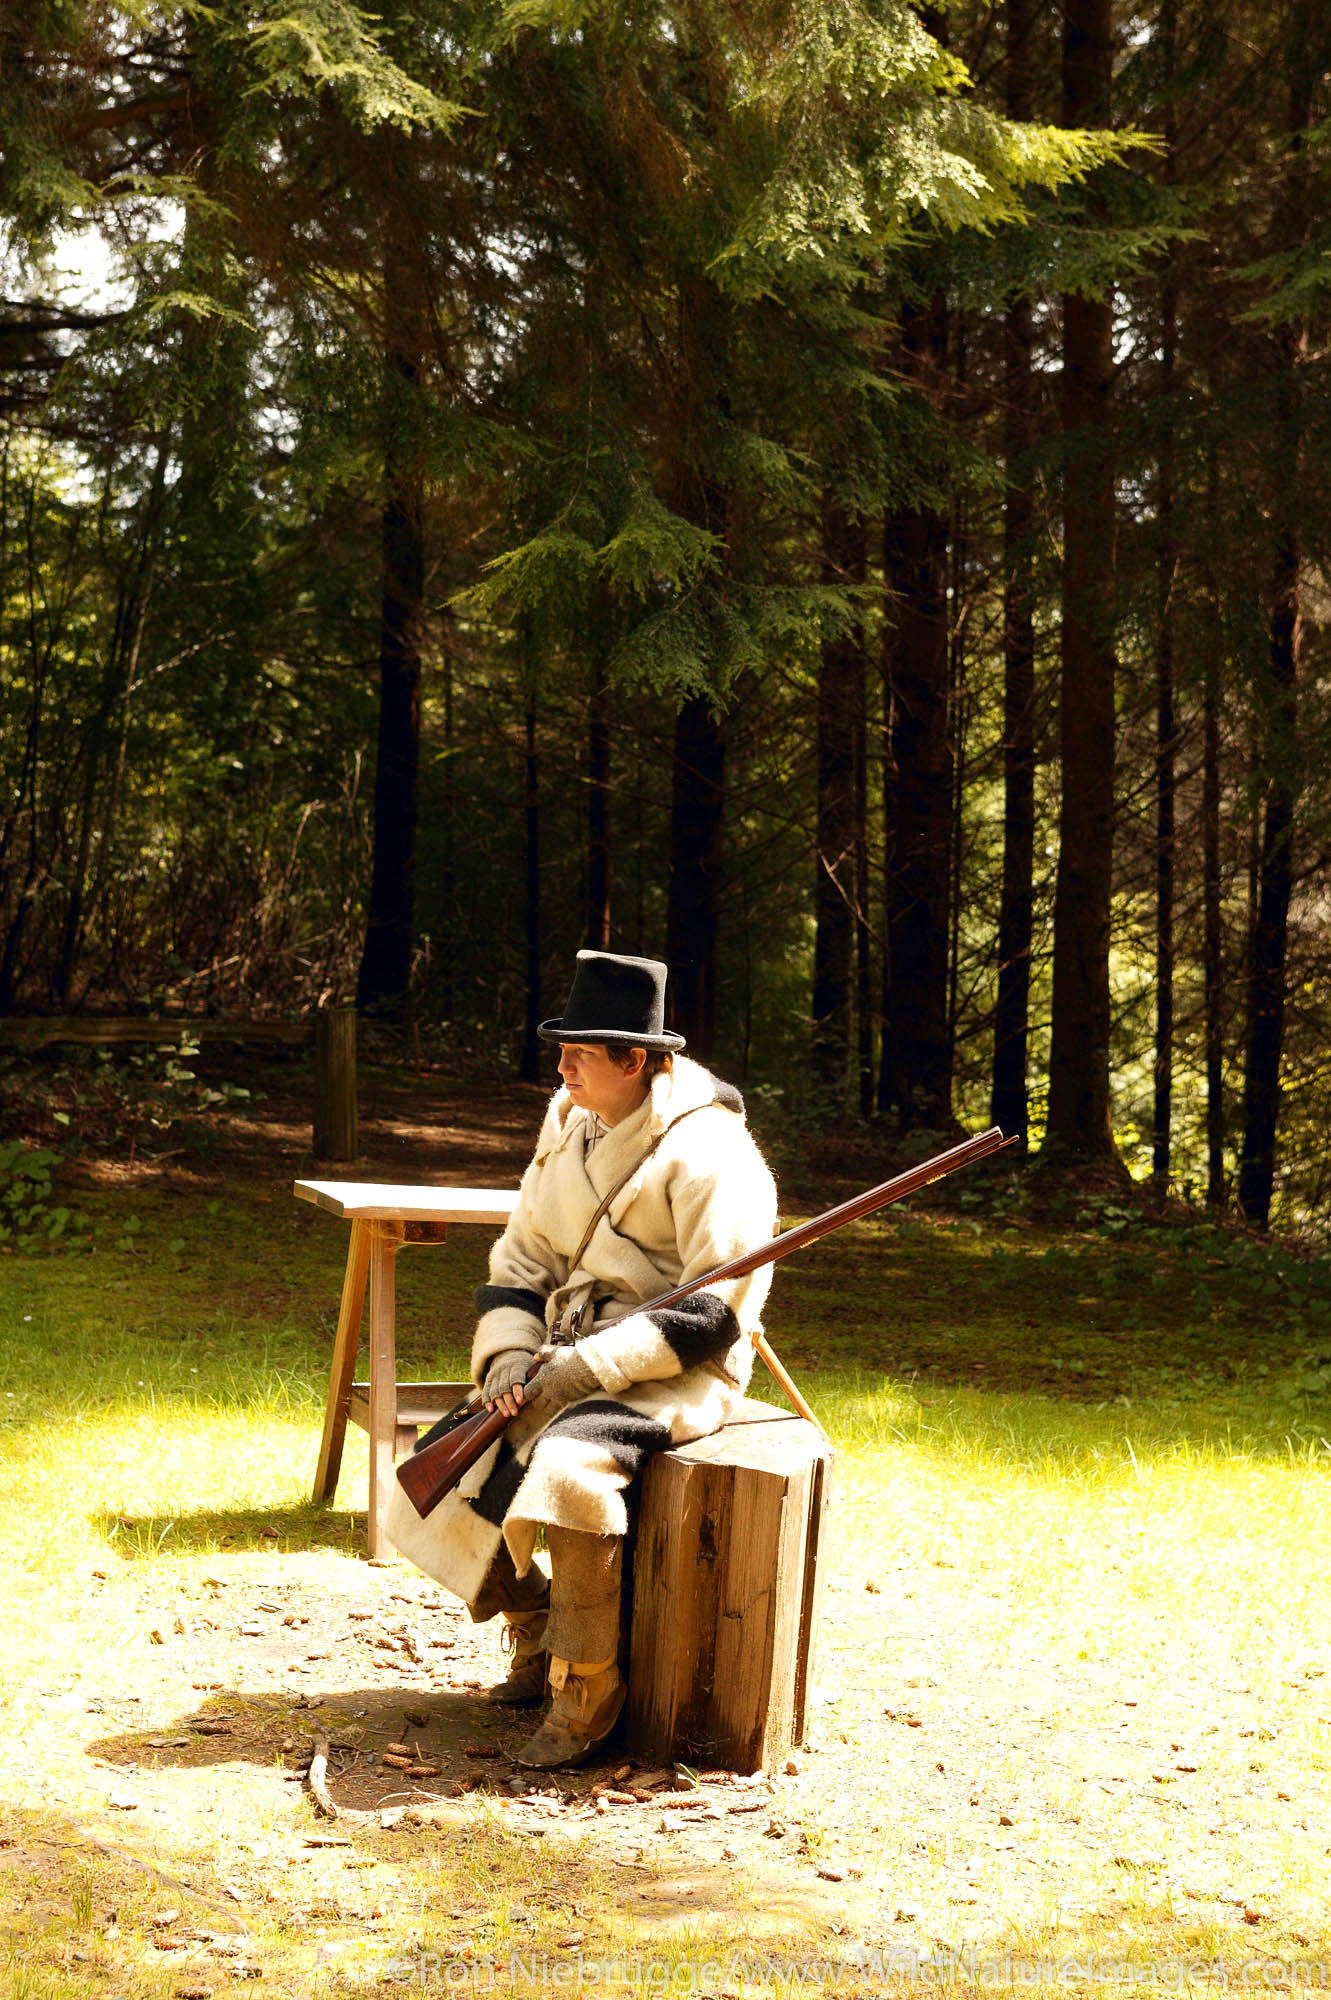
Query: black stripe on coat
[(506, 1475), (726, 1095), (626, 1434), (701, 1328), (487, 1297)]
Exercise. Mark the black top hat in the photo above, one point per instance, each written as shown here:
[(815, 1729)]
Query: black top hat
[(619, 1001)]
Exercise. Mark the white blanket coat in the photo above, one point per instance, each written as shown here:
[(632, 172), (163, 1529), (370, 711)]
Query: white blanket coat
[(703, 1197)]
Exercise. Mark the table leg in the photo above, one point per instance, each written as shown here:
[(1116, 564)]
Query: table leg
[(345, 1343), (383, 1377)]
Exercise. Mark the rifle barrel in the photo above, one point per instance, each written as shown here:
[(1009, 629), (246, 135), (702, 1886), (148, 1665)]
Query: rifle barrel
[(900, 1188)]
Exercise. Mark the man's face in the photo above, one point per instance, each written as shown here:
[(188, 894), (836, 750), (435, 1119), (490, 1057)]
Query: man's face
[(597, 1083)]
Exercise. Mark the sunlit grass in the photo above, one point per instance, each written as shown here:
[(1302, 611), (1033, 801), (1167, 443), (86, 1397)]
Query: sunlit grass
[(1096, 1523)]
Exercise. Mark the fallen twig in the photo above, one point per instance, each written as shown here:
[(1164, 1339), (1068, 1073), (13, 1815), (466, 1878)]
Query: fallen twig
[(318, 1777)]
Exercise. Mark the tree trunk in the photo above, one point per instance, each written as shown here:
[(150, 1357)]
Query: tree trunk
[(958, 711), (1079, 1115), (841, 690), (1211, 934), (121, 660), (888, 771), (530, 1068), (1268, 942), (1266, 981), (446, 917), (385, 969), (1008, 1104), (1165, 723), (25, 808), (596, 929), (1278, 712), (697, 823), (863, 938), (915, 568), (1166, 748), (698, 775)]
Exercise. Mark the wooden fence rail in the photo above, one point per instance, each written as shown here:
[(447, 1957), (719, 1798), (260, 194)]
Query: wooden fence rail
[(332, 1032), (34, 1031)]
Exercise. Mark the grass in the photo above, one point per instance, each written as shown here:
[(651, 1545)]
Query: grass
[(1082, 1484)]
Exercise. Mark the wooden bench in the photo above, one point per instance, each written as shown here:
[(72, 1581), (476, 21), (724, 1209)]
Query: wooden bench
[(384, 1218)]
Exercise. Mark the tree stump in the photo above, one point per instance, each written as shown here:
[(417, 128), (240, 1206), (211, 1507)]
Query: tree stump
[(725, 1592), (335, 1124)]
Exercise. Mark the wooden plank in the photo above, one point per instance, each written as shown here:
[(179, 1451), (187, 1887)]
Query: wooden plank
[(748, 1677), (811, 1608), (418, 1403), (93, 1031), (345, 1343), (787, 1671), (383, 1380), (672, 1592), (387, 1201), (758, 1435)]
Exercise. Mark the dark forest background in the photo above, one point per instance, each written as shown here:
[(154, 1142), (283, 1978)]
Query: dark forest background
[(831, 494)]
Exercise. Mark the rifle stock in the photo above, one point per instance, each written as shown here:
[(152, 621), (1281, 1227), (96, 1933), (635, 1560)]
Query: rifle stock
[(464, 1436), (449, 1451)]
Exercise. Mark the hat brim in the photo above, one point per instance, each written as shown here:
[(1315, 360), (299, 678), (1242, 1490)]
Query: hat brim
[(614, 1038)]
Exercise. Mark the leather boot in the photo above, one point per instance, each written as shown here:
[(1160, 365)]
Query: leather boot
[(523, 1639), (588, 1695)]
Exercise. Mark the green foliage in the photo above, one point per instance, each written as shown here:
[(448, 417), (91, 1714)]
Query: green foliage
[(868, 133), (551, 573), (654, 550), (30, 1217), (309, 46), (667, 262), (561, 18), (119, 1102)]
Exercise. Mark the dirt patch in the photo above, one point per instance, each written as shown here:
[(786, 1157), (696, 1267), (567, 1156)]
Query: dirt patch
[(952, 1796), (191, 1739)]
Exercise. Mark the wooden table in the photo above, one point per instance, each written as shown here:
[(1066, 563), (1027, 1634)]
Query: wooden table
[(384, 1216)]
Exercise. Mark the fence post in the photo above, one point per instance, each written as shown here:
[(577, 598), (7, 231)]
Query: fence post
[(335, 1134)]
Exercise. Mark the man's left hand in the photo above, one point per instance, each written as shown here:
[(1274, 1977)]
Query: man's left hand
[(563, 1378)]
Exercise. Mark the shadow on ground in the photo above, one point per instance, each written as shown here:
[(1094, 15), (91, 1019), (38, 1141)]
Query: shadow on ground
[(465, 1743), (279, 1530)]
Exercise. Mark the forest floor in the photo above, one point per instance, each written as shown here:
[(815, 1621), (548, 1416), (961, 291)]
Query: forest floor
[(1072, 1722)]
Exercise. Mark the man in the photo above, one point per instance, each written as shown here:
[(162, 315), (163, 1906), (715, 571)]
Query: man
[(644, 1176)]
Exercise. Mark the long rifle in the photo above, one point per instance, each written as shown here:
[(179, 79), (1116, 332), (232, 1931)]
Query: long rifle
[(453, 1446)]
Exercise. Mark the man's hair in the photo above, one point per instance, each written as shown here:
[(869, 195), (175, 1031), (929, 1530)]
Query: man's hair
[(657, 1060)]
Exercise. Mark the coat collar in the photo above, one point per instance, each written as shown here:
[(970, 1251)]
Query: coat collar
[(685, 1086)]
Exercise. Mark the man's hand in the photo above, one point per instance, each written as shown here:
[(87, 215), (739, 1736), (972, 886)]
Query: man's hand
[(564, 1378), (504, 1377)]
